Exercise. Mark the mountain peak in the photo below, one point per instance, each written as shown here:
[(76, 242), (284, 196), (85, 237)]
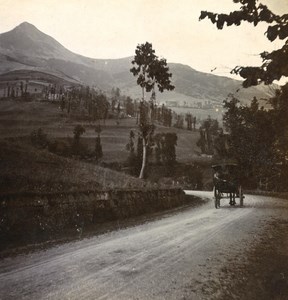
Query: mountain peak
[(26, 27), (32, 43)]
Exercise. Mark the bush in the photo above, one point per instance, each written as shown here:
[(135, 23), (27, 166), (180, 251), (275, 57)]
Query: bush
[(80, 149), (59, 147), (78, 131), (39, 138)]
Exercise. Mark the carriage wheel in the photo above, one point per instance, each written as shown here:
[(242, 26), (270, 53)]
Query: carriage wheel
[(241, 196), (217, 197)]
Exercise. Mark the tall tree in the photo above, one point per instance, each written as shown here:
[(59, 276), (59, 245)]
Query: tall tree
[(208, 132), (129, 106), (189, 120), (275, 63), (165, 147), (280, 125), (151, 73), (78, 131), (258, 138), (252, 139), (98, 146)]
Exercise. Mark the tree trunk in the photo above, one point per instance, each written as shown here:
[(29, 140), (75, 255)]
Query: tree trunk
[(141, 176)]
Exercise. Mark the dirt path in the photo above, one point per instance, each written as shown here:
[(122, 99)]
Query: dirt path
[(199, 253)]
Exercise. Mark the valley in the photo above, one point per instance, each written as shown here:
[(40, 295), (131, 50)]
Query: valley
[(38, 52)]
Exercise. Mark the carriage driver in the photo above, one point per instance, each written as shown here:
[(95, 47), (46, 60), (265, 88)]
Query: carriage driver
[(218, 176)]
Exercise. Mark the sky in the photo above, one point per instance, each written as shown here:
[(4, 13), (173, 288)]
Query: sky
[(113, 28)]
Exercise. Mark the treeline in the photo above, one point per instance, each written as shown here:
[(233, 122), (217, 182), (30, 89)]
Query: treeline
[(94, 104), (17, 89), (255, 137), (181, 119), (211, 137), (258, 140)]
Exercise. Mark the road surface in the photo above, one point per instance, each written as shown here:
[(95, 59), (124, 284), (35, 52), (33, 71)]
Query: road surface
[(183, 255)]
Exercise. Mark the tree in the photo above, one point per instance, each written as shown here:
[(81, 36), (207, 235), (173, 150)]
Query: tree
[(151, 72), (221, 145), (258, 137), (189, 120), (134, 159), (179, 122), (22, 88), (62, 103), (129, 106), (39, 138), (130, 146), (194, 123), (252, 137), (165, 148), (98, 146), (98, 107), (208, 132), (78, 131), (169, 151), (275, 63), (279, 122)]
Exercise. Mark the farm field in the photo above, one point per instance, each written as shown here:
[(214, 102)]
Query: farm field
[(18, 119), (26, 168)]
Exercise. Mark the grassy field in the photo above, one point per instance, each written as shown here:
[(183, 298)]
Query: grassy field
[(26, 168), (21, 118)]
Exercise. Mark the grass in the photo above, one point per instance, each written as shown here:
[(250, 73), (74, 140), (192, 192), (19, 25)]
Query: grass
[(26, 168), (21, 118)]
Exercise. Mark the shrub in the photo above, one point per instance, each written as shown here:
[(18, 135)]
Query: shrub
[(60, 147), (39, 138), (78, 131)]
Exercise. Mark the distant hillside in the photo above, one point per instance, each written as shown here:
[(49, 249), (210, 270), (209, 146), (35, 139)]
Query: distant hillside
[(206, 86), (27, 48)]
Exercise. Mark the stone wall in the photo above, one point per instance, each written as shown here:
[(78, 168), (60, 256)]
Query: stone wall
[(30, 217)]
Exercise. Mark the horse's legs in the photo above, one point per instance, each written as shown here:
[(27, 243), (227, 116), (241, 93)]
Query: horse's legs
[(230, 202)]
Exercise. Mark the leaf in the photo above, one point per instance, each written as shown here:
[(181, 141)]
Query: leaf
[(203, 15), (220, 22), (272, 32), (283, 33)]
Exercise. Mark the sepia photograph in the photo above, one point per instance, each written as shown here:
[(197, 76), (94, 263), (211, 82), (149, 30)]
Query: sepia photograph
[(144, 149)]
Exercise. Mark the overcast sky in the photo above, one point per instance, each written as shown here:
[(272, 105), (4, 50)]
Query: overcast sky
[(113, 28)]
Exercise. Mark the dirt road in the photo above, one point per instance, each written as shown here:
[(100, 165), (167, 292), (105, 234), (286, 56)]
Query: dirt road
[(198, 253)]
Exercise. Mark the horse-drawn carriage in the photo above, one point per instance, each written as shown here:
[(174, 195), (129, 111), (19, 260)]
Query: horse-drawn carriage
[(227, 184)]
